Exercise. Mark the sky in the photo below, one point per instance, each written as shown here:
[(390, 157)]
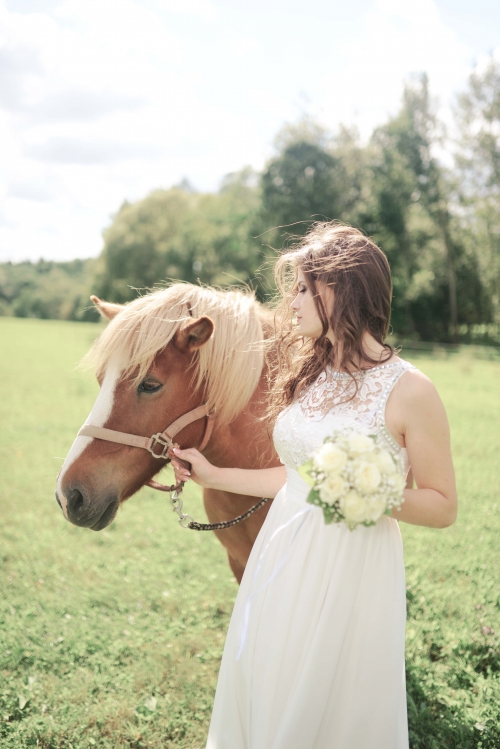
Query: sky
[(102, 101)]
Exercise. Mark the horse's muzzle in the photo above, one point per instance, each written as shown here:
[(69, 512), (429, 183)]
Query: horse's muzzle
[(107, 517), (84, 513)]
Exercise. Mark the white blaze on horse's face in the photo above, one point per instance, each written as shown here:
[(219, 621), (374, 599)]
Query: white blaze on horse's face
[(98, 417)]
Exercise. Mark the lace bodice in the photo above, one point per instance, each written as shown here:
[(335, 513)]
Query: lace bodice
[(302, 427)]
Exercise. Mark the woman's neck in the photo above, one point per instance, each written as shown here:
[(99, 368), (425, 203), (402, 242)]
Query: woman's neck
[(371, 348)]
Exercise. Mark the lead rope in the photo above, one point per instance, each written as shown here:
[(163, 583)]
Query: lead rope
[(177, 504)]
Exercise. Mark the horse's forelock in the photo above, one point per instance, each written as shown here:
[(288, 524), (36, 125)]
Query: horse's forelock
[(228, 367)]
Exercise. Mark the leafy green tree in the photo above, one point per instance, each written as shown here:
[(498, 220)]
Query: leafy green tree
[(412, 216), (422, 136), (142, 246), (314, 176), (440, 229), (478, 166), (299, 186), (47, 289), (180, 234)]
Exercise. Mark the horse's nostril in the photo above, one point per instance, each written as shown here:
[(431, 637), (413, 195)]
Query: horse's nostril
[(75, 502)]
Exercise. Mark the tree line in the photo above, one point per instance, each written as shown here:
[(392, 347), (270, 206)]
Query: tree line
[(431, 202)]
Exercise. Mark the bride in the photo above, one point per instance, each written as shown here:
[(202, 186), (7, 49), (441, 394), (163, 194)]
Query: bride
[(314, 655)]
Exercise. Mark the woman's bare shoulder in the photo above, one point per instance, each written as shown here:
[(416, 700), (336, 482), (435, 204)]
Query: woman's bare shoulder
[(415, 389)]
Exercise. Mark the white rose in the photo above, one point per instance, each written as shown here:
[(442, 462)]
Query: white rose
[(385, 462), (330, 457), (396, 482), (332, 488), (360, 443), (355, 508), (376, 508), (367, 476)]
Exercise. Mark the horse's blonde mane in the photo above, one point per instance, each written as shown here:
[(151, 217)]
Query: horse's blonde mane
[(227, 367)]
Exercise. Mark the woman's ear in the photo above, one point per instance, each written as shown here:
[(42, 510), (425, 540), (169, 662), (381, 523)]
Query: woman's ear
[(106, 309)]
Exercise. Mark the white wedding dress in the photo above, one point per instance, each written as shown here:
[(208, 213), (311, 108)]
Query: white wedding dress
[(314, 655)]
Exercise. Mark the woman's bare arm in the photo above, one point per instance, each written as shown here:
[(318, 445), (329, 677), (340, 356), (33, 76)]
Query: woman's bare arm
[(263, 482), (415, 415), (418, 415)]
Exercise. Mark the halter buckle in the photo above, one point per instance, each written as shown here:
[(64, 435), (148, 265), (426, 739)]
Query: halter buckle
[(165, 445)]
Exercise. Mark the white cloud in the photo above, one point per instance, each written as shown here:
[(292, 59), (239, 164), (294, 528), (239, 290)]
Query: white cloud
[(81, 105), (483, 61), (397, 37), (200, 8), (30, 189), (102, 100), (240, 46), (274, 105), (97, 105), (122, 26), (89, 152)]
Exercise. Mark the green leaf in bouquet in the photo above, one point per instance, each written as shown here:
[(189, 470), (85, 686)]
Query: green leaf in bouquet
[(329, 514), (304, 472), (313, 497)]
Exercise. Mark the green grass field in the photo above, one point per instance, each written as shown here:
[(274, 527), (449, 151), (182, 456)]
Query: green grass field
[(113, 639)]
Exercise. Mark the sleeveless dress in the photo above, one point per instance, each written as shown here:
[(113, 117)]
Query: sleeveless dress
[(314, 654)]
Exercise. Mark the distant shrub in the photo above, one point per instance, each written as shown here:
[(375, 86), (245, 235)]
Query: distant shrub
[(47, 290)]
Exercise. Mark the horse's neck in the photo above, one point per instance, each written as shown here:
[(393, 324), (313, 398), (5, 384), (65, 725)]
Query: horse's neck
[(246, 442)]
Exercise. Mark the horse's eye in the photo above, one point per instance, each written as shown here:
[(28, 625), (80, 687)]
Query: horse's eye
[(149, 386)]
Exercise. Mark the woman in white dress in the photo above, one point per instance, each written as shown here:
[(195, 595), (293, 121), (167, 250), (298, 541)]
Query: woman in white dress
[(314, 655)]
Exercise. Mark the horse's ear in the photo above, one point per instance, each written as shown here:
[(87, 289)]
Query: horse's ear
[(106, 309), (194, 335)]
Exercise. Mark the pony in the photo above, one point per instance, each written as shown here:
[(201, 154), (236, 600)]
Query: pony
[(161, 356)]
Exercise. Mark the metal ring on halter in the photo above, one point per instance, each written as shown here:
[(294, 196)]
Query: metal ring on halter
[(159, 439)]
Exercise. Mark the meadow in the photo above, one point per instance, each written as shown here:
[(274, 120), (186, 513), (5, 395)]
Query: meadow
[(113, 639)]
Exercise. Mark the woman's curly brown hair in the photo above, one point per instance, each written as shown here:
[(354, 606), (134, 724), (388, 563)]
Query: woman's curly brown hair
[(342, 258)]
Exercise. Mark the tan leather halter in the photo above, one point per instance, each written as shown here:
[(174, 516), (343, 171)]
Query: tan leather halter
[(160, 444), (165, 441)]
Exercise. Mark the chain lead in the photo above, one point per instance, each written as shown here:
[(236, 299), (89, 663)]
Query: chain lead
[(189, 522), (177, 504)]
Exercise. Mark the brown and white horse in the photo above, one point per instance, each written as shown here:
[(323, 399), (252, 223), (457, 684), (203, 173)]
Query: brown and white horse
[(161, 356)]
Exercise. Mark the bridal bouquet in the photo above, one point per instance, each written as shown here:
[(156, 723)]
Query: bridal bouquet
[(352, 479)]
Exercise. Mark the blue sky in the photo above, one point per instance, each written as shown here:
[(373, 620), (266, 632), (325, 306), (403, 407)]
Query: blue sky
[(105, 100)]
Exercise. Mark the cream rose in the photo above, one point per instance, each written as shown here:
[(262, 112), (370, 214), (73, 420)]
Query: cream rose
[(397, 482), (332, 488), (367, 476), (330, 458), (355, 508), (376, 508), (385, 462), (360, 443)]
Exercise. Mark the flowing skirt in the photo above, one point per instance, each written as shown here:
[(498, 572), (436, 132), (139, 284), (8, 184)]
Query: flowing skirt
[(314, 655)]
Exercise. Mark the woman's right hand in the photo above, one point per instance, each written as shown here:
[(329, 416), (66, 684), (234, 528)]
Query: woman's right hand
[(260, 482), (202, 472)]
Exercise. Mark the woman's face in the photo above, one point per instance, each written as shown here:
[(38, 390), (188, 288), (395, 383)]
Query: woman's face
[(303, 305)]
